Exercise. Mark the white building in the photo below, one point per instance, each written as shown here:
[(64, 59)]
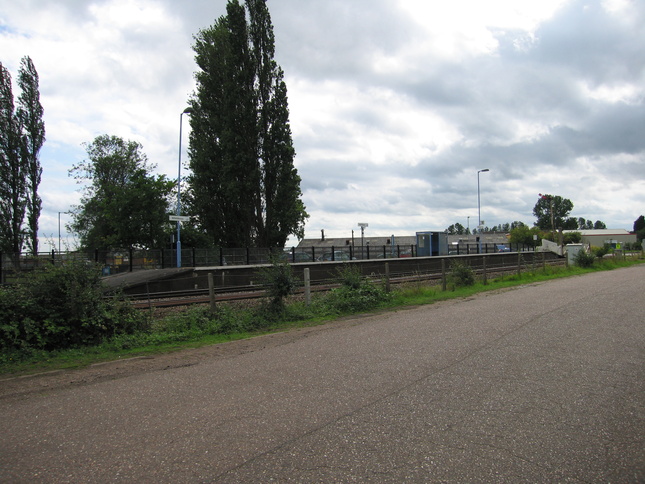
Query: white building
[(613, 237)]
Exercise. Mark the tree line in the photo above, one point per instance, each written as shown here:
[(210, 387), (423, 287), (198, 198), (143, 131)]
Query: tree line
[(552, 214)]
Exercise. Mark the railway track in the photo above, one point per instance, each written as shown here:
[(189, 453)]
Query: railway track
[(238, 293)]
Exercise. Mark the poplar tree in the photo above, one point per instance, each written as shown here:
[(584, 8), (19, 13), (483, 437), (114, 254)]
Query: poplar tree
[(12, 171), (22, 134), (30, 114), (243, 188)]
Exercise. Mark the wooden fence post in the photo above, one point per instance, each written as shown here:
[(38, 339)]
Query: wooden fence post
[(307, 287), (211, 292), (387, 277), (443, 275)]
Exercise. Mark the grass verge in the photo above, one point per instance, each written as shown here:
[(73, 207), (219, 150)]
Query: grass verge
[(196, 326)]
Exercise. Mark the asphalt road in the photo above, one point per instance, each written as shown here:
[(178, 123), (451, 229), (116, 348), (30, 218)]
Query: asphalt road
[(543, 383)]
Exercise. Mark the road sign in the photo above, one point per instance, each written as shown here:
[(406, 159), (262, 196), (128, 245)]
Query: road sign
[(179, 218)]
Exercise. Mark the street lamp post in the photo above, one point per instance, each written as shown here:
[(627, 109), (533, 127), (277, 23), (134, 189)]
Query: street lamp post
[(479, 210), (185, 111), (362, 226), (59, 230)]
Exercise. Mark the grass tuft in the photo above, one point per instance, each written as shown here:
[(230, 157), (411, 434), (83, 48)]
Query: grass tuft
[(197, 326)]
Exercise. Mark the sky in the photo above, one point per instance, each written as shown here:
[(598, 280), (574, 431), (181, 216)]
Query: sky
[(395, 105)]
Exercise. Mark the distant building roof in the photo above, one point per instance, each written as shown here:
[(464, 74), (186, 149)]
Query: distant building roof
[(346, 241), (401, 240), (600, 232)]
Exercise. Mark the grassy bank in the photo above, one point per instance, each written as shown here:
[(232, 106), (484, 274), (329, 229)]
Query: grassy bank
[(198, 326)]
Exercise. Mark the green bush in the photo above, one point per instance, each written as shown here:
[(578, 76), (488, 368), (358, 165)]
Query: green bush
[(584, 259), (571, 238), (347, 300), (280, 282), (63, 307), (355, 294), (600, 252), (461, 274), (350, 276)]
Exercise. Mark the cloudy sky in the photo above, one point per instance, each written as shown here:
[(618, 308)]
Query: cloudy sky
[(395, 104)]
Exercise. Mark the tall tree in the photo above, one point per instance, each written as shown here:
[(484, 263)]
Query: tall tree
[(123, 206), (30, 113), (552, 212), (599, 225), (522, 234), (639, 223), (244, 188), (639, 227), (12, 171)]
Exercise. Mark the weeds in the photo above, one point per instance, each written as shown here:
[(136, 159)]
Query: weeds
[(461, 274), (280, 282), (584, 259), (197, 326)]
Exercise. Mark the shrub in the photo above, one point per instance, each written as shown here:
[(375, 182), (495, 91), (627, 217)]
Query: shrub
[(600, 252), (461, 274), (280, 282), (347, 300), (350, 276), (355, 294), (63, 307), (584, 259), (571, 238)]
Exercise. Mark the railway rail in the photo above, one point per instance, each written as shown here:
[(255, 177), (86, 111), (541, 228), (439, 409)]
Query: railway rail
[(167, 299)]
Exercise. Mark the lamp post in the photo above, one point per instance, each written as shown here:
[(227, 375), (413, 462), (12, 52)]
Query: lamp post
[(479, 210), (362, 226), (185, 111), (59, 230)]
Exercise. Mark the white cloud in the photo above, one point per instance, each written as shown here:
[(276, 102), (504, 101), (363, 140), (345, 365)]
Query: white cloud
[(394, 105)]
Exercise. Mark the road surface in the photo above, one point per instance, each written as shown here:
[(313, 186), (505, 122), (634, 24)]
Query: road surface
[(541, 383)]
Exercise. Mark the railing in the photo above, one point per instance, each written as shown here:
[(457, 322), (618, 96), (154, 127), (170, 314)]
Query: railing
[(129, 260), (243, 282)]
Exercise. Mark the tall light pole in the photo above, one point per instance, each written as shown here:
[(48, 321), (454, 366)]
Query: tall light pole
[(185, 111), (362, 226), (59, 230), (479, 209)]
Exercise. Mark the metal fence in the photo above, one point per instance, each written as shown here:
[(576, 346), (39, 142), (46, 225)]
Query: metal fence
[(128, 260)]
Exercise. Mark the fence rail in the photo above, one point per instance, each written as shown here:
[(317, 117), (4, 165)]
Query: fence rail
[(129, 260), (210, 286)]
